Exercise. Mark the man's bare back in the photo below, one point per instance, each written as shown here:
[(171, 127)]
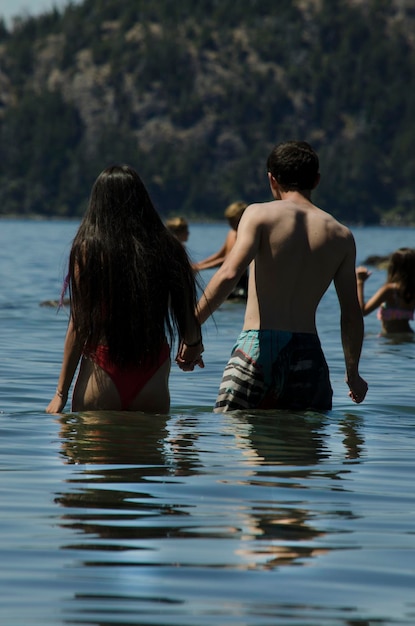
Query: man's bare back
[(294, 250), (300, 250)]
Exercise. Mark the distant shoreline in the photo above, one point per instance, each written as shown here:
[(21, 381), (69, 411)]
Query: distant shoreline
[(204, 219)]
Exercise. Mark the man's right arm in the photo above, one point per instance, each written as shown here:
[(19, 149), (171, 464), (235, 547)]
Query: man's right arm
[(351, 322), (234, 265), (223, 281)]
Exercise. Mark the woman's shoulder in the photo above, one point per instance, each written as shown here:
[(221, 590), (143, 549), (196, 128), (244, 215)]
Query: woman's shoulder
[(389, 291), (394, 298)]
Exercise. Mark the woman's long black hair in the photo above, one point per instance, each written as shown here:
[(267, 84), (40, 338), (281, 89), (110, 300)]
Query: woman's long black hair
[(131, 283)]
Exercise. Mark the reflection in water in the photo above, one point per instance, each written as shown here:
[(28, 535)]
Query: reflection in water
[(122, 438), (153, 491), (395, 339), (286, 453), (351, 427), (132, 450)]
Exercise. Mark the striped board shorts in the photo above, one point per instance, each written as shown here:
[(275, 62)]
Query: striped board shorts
[(273, 369)]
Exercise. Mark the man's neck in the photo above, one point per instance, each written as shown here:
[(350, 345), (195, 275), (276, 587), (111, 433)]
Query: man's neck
[(296, 196)]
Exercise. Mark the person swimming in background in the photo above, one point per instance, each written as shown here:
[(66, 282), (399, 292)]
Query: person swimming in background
[(395, 300), (132, 290), (233, 214), (179, 226)]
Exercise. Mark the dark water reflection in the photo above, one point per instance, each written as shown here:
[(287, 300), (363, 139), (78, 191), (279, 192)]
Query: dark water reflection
[(133, 451), (159, 495)]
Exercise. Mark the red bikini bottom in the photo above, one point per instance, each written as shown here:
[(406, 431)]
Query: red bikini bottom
[(128, 381)]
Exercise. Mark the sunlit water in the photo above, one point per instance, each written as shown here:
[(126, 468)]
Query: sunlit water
[(194, 518)]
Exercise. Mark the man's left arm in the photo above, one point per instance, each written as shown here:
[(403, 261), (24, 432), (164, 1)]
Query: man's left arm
[(351, 323)]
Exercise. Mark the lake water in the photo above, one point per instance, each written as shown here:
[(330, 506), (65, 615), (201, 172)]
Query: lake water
[(198, 519)]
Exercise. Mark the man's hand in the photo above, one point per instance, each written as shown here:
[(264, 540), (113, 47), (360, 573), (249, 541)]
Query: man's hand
[(358, 388)]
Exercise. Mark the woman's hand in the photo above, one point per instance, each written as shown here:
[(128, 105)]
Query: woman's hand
[(362, 273), (57, 404)]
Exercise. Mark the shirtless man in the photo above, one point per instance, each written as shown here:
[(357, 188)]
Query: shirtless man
[(295, 250)]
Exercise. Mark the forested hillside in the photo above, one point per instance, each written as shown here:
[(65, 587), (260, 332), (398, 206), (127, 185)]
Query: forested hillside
[(194, 94)]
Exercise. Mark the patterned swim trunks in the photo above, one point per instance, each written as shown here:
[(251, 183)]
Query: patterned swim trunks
[(273, 369)]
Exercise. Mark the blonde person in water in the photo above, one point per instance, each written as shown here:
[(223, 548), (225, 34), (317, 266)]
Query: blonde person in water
[(179, 226), (395, 300), (233, 214)]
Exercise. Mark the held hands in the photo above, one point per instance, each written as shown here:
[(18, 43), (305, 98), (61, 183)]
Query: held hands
[(362, 273), (358, 388), (189, 356)]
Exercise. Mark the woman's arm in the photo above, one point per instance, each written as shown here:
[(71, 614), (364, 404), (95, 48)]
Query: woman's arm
[(71, 355), (382, 294), (191, 343)]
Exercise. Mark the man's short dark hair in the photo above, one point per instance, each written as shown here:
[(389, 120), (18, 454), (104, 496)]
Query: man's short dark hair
[(294, 165)]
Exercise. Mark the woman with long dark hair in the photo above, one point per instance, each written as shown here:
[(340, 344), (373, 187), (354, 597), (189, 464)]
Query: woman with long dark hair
[(132, 290)]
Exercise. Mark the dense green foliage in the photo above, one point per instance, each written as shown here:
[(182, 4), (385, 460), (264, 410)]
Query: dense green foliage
[(195, 94)]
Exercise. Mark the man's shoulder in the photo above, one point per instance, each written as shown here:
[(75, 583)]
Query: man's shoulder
[(265, 211), (336, 227), (263, 206), (275, 211), (258, 214)]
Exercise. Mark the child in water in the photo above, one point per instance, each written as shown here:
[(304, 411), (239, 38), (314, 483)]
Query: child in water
[(179, 227), (395, 300)]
